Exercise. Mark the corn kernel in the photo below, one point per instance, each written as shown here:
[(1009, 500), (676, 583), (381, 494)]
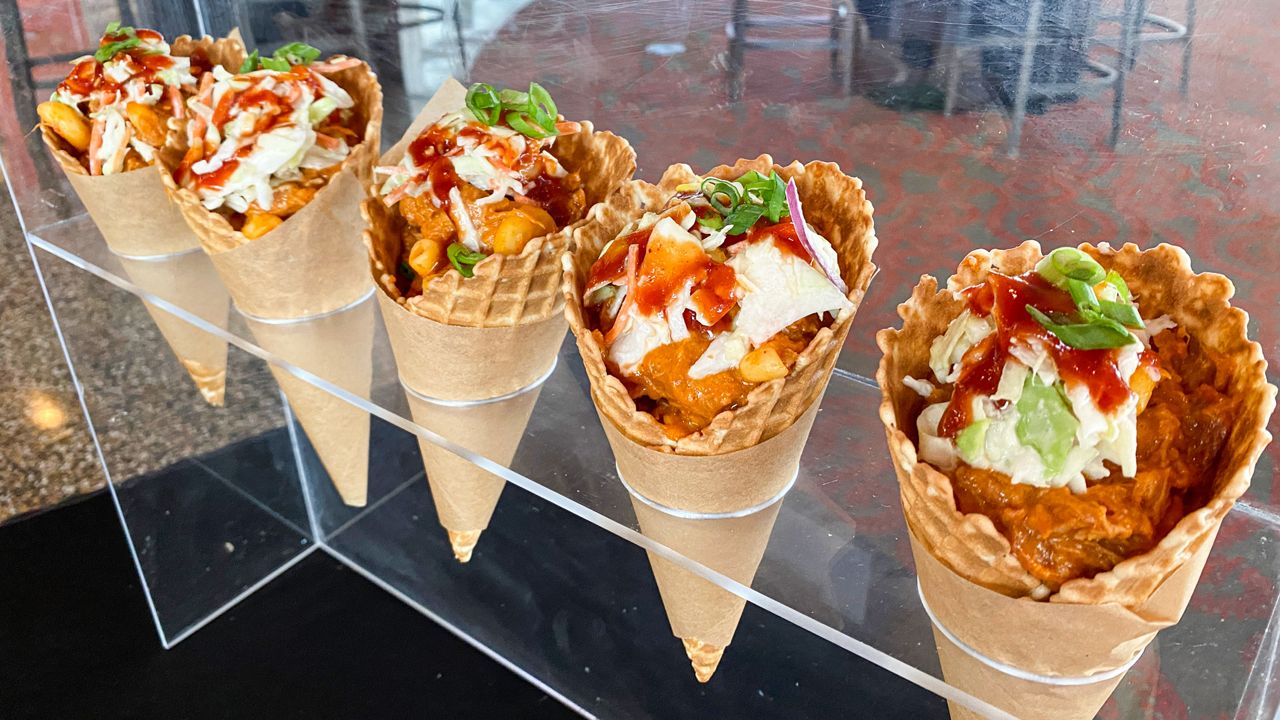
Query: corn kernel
[(258, 224), (424, 257), (522, 224), (761, 365)]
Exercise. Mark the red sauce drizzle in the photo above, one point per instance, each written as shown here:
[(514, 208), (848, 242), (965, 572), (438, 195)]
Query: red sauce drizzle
[(784, 238), (547, 191), (611, 267), (1005, 299), (274, 111), (86, 77)]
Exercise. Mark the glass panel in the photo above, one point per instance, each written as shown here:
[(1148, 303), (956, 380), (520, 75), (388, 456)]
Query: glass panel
[(208, 494)]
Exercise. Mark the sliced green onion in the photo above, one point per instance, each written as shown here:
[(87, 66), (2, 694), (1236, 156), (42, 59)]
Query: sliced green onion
[(523, 124), (406, 271), (540, 102), (513, 98), (108, 51), (483, 102), (464, 259), (297, 53), (1067, 262), (1120, 285), (250, 63), (274, 63), (713, 188), (1082, 293), (1096, 333), (1122, 312)]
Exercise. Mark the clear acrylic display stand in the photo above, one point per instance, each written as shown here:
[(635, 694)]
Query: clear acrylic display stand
[(217, 501)]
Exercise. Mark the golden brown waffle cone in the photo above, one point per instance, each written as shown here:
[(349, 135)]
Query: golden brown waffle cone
[(745, 458), (337, 348), (968, 575), (131, 209), (834, 204), (484, 337), (702, 614), (188, 276), (313, 262), (464, 494)]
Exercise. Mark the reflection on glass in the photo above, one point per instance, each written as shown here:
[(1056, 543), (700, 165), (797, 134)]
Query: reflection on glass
[(339, 348), (189, 276)]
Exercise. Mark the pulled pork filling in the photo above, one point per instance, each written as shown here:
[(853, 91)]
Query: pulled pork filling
[(1084, 432), (1059, 535)]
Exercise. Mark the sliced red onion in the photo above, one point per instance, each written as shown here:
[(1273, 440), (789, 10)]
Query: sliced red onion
[(802, 232)]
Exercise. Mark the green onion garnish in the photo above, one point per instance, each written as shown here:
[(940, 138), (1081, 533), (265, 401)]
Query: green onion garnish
[(1122, 312), (250, 63), (745, 201), (1082, 293), (1069, 263), (532, 113), (285, 57), (108, 51), (714, 188), (464, 259), (1096, 333)]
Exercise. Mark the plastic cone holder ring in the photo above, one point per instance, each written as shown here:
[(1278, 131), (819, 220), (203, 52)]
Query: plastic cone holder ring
[(306, 318), (689, 515), (486, 401), (1012, 671)]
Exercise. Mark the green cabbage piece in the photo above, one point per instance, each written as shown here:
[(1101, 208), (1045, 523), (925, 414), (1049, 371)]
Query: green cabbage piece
[(1045, 423)]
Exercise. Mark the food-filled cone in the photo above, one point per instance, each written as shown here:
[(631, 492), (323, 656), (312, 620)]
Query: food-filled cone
[(337, 348), (313, 262), (702, 614), (974, 585), (131, 209), (745, 458), (189, 281), (493, 335), (835, 204), (464, 494)]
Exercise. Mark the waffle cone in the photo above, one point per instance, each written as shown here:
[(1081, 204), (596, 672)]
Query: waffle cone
[(506, 290), (188, 276), (746, 458), (337, 348), (130, 208), (968, 575), (464, 494), (313, 262), (702, 614), (834, 203), (476, 339)]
